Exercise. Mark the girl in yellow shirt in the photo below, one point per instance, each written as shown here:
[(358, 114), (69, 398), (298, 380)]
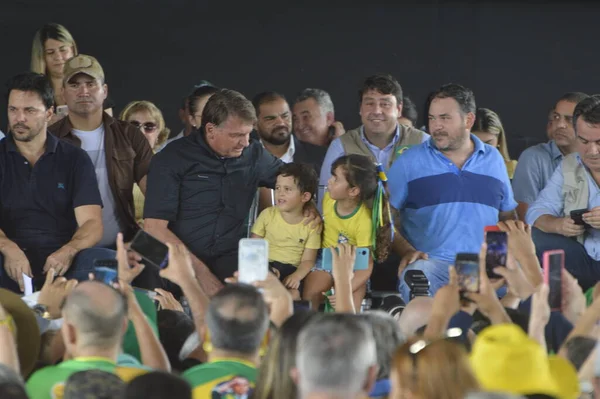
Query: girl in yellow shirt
[(355, 210)]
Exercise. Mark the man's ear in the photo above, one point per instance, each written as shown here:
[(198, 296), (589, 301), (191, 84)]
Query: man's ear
[(105, 87), (469, 121), (49, 114), (210, 130), (124, 325), (330, 118), (295, 376)]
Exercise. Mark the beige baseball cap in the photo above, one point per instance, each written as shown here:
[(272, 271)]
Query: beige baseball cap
[(83, 64)]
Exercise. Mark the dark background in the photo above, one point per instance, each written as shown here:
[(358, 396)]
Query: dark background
[(517, 57)]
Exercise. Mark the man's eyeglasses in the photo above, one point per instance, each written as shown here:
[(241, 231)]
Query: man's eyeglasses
[(148, 126)]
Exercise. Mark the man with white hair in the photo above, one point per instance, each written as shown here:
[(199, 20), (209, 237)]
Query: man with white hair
[(335, 358)]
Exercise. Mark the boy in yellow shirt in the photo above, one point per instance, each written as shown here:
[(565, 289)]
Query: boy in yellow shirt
[(293, 245)]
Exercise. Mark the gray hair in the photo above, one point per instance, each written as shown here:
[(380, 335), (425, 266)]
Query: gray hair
[(97, 311), (335, 356), (388, 337), (320, 96), (237, 319)]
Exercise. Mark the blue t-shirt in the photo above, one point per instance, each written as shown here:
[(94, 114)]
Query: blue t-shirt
[(444, 209)]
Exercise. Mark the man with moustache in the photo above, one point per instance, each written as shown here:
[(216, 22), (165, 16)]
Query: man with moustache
[(448, 188), (274, 129), (50, 206), (574, 186), (536, 164)]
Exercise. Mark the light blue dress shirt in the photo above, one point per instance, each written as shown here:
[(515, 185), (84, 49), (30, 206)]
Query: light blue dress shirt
[(550, 202), (534, 169)]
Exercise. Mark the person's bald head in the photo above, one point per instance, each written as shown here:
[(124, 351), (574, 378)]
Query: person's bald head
[(415, 315), (97, 313)]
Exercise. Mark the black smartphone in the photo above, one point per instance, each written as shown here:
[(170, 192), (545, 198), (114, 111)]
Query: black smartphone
[(152, 250), (467, 269), (553, 263), (331, 132), (577, 216), (416, 279), (301, 306), (497, 251)]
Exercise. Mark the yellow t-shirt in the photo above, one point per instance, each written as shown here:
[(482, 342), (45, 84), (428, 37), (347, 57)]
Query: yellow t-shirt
[(286, 241), (356, 228)]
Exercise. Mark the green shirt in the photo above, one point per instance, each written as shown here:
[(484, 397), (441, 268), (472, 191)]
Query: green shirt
[(49, 382), (222, 378)]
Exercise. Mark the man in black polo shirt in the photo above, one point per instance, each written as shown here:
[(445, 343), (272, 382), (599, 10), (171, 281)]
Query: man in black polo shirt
[(50, 206), (201, 187)]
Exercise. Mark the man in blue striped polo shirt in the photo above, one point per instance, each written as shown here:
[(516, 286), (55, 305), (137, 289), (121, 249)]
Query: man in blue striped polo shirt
[(448, 188)]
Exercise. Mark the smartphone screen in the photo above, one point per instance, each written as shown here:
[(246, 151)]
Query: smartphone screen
[(467, 269), (151, 249), (553, 265), (253, 260), (497, 250)]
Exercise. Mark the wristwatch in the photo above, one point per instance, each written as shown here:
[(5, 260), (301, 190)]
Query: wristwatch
[(42, 311)]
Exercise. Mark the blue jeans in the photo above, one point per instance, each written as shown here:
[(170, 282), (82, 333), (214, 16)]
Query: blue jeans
[(82, 265), (436, 272), (577, 261)]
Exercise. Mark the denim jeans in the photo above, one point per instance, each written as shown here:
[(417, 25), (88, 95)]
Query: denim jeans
[(436, 272), (577, 261), (82, 265)]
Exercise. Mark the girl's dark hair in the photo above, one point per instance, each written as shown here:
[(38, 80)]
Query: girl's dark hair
[(361, 172)]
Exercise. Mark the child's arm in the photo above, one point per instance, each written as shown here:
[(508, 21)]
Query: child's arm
[(309, 257), (254, 235)]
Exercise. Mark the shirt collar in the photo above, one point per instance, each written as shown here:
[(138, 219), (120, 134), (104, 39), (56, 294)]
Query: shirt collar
[(554, 150), (291, 148), (479, 145), (51, 143), (394, 139)]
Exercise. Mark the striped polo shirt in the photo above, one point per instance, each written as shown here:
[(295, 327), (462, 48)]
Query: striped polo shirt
[(445, 209)]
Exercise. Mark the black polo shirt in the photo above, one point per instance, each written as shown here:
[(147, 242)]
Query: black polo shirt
[(37, 205), (206, 198)]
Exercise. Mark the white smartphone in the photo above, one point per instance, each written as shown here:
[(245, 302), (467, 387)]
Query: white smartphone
[(253, 260)]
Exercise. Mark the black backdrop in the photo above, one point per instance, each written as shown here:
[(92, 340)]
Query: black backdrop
[(517, 57)]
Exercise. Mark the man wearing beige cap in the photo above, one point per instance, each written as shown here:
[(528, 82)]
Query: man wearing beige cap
[(119, 151)]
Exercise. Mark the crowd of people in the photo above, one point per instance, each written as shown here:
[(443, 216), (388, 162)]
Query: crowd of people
[(83, 315)]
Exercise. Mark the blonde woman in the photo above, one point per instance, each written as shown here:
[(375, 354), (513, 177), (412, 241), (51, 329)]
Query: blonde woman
[(52, 46), (431, 369), (148, 118), (489, 129)]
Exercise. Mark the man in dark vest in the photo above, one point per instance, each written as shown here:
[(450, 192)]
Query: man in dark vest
[(380, 137)]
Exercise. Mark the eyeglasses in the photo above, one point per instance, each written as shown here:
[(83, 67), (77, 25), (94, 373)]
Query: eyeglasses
[(148, 126)]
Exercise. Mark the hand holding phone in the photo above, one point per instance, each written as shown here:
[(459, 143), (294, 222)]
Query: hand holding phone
[(577, 216), (253, 260)]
